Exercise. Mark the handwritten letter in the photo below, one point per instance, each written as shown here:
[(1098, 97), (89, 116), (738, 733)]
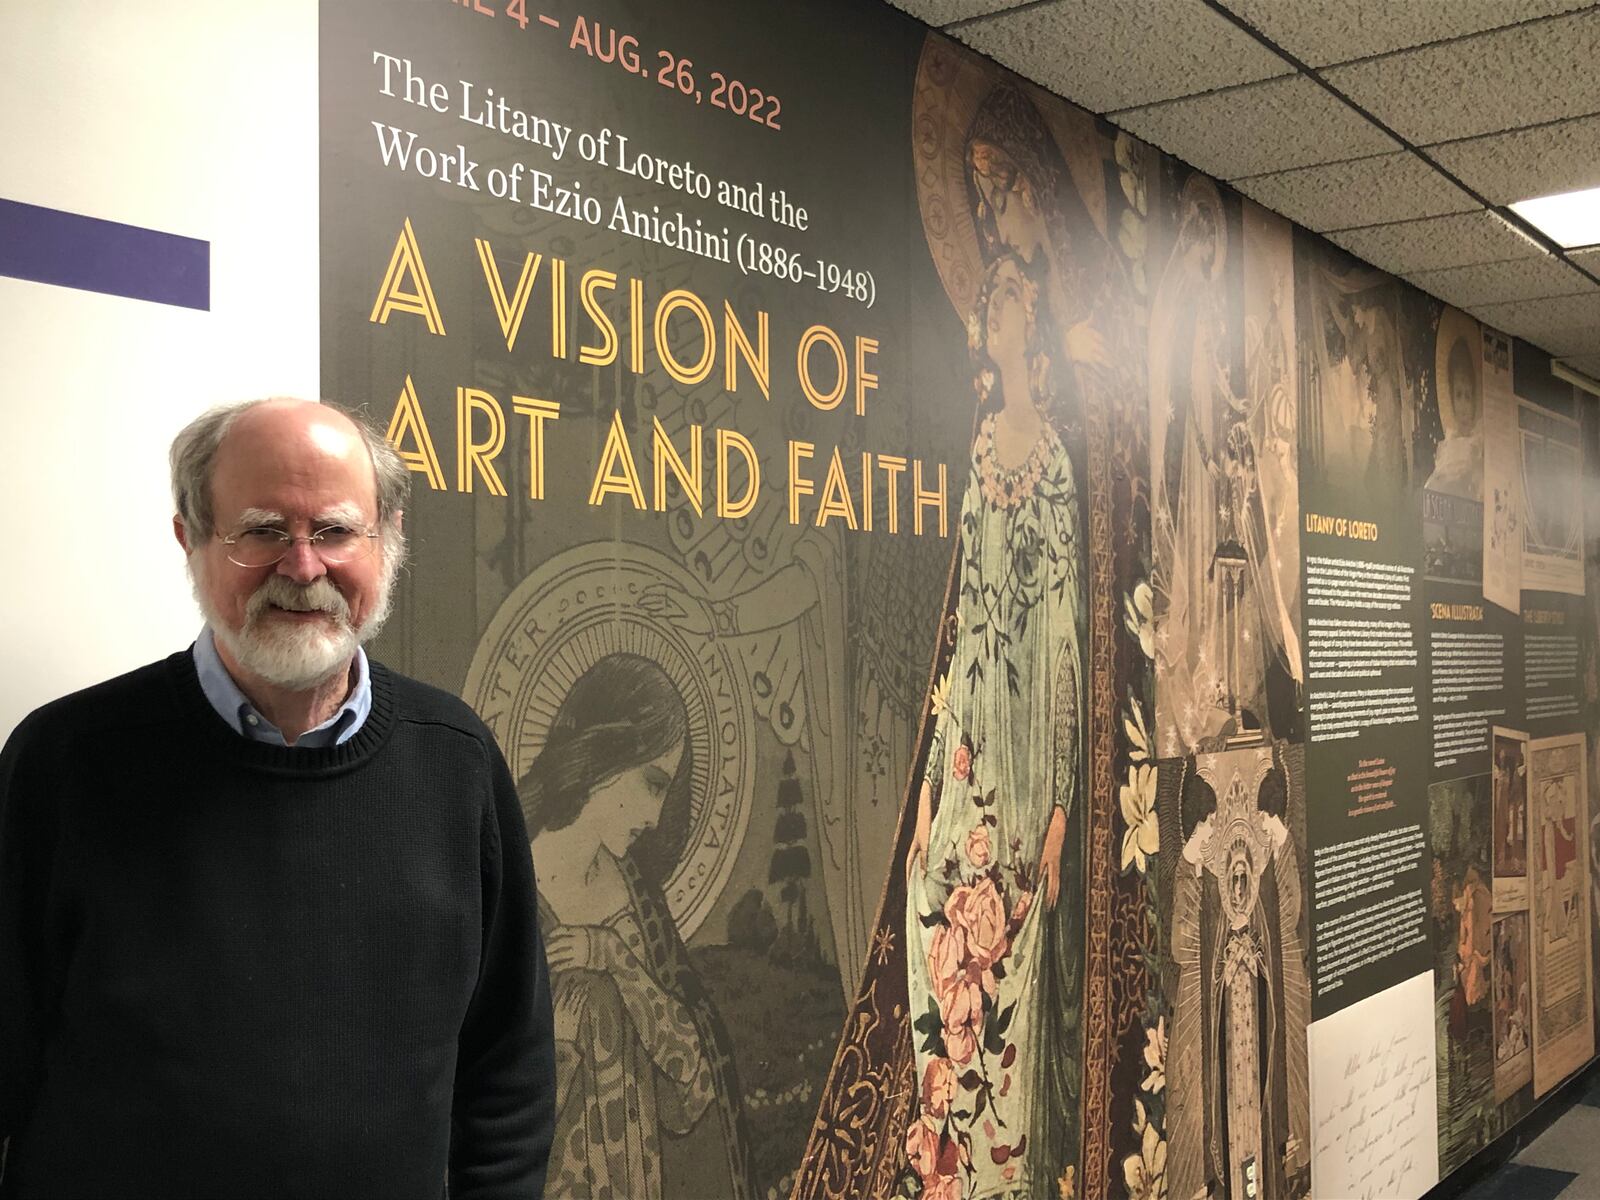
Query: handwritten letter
[(1373, 1101)]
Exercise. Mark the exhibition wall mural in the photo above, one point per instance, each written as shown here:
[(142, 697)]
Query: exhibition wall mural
[(1027, 673)]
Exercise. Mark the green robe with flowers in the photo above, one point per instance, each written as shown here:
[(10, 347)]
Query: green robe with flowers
[(995, 972)]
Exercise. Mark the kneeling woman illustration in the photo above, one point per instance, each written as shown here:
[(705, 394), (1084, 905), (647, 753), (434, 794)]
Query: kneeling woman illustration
[(647, 1098)]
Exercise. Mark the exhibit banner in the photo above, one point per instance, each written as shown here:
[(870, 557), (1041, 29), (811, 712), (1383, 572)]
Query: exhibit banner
[(776, 403), (1026, 673)]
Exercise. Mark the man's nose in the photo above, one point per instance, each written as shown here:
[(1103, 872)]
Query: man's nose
[(302, 563)]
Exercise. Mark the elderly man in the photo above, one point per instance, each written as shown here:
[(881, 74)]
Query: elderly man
[(267, 915)]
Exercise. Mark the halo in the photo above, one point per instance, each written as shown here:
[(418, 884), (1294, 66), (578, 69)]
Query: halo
[(952, 82), (1454, 326), (576, 609)]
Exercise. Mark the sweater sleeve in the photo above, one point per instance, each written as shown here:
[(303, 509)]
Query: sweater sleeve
[(503, 1117), (27, 854)]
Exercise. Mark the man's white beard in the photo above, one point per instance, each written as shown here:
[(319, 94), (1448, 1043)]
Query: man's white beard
[(289, 654)]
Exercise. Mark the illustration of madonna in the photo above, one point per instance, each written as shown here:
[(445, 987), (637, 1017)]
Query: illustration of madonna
[(994, 873), (647, 1102)]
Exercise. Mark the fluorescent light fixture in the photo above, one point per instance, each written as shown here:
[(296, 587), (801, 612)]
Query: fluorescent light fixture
[(1569, 219), (1575, 378)]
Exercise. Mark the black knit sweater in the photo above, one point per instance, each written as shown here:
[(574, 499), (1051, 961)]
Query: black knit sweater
[(234, 969)]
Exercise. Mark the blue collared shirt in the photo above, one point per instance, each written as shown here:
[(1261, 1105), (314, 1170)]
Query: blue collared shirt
[(235, 708)]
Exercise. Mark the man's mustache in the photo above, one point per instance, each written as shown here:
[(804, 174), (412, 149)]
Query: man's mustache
[(281, 592)]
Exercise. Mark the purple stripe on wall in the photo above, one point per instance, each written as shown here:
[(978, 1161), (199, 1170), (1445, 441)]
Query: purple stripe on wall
[(47, 245)]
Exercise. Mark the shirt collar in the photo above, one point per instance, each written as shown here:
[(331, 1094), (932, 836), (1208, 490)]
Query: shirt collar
[(234, 707)]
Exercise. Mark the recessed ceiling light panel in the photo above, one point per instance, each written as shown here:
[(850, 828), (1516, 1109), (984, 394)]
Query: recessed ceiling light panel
[(1570, 219)]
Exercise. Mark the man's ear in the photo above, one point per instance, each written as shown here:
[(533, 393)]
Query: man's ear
[(181, 532)]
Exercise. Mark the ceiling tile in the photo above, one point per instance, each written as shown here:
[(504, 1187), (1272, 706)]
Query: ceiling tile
[(1483, 84), (1516, 279), (1433, 243), (1558, 311), (1588, 364), (1506, 167), (942, 12), (1107, 56), (1387, 187), (1320, 33), (1276, 125), (1560, 324), (1563, 342), (1589, 260)]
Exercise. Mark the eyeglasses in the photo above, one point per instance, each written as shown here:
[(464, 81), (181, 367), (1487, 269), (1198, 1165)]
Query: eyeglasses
[(262, 545)]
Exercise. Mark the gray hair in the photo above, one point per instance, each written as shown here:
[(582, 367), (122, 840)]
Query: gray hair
[(194, 453)]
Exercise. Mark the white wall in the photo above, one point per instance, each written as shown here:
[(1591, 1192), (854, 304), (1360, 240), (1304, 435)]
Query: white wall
[(193, 119)]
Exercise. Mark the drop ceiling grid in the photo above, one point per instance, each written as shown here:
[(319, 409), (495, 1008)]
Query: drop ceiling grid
[(1487, 83), (1324, 35), (1259, 128), (1512, 279), (1539, 160), (1563, 325), (1490, 94), (1435, 243), (1106, 56), (1366, 191)]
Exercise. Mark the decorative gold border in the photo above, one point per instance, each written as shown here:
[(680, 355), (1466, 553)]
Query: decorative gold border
[(1099, 1032)]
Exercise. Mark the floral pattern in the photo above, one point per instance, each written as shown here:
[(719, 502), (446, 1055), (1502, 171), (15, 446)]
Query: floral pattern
[(1145, 1173), (1155, 1057), (1140, 748), (1143, 836), (1140, 619), (1008, 487)]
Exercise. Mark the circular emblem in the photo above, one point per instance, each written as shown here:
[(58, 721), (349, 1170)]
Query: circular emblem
[(576, 609), (1458, 415)]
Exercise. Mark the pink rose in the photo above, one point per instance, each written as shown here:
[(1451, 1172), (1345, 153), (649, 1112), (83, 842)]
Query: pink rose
[(938, 1088), (961, 1012), (961, 768), (979, 913), (947, 952), (922, 1148), (978, 846), (1024, 902), (961, 1043), (959, 994), (944, 1187)]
